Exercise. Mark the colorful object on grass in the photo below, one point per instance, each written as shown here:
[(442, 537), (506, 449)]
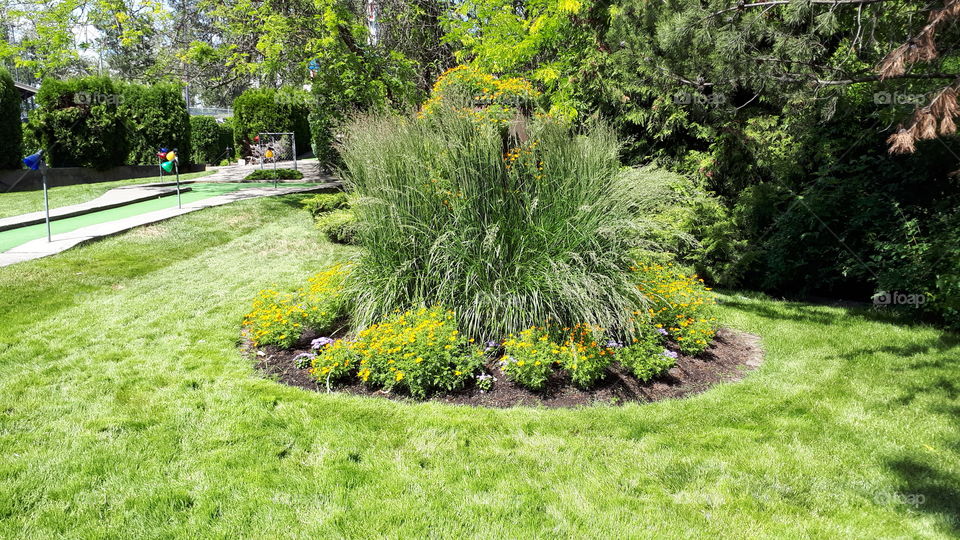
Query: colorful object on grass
[(171, 155), (167, 166), (33, 161)]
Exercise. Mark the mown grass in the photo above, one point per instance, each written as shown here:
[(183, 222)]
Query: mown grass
[(24, 202), (127, 411)]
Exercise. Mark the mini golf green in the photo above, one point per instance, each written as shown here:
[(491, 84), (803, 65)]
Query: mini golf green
[(199, 191)]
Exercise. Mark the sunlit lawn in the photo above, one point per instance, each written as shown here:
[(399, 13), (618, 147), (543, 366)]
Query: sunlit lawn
[(126, 410)]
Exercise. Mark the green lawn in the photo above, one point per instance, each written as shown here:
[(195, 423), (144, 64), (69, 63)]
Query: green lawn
[(24, 202), (127, 411)]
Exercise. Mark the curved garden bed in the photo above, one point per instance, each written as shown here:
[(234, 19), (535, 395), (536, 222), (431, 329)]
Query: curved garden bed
[(729, 358)]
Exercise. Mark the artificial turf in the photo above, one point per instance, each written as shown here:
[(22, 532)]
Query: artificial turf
[(197, 192), (25, 202), (127, 410)]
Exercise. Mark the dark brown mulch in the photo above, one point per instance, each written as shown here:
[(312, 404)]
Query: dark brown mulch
[(731, 355)]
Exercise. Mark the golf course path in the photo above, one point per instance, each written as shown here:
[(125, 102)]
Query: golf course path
[(38, 248)]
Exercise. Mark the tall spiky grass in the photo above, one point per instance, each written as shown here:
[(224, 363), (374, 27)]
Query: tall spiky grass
[(449, 216)]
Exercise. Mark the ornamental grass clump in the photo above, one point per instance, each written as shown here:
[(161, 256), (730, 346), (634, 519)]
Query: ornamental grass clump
[(511, 225)]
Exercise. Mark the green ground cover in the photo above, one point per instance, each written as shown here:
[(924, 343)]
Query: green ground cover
[(127, 410)]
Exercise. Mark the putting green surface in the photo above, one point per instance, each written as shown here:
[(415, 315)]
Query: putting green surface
[(199, 191)]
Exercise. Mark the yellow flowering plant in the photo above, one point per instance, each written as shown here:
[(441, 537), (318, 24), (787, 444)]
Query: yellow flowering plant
[(416, 351), (585, 355), (276, 318), (489, 99), (680, 308), (279, 318), (530, 356)]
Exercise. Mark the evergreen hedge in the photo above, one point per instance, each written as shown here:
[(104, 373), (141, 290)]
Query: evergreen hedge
[(209, 139), (11, 130), (99, 123), (156, 116), (265, 110), (79, 123)]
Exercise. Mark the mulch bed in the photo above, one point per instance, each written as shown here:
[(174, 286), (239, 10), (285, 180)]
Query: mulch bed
[(729, 358)]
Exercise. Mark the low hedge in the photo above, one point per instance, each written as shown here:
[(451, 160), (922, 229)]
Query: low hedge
[(340, 226), (275, 174), (326, 202)]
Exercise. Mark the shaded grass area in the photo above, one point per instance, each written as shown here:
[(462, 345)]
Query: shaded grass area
[(24, 202), (126, 410)]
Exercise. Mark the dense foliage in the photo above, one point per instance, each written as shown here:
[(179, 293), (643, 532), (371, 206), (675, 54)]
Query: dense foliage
[(79, 123), (11, 129), (782, 111), (155, 117), (265, 110), (210, 139), (101, 123)]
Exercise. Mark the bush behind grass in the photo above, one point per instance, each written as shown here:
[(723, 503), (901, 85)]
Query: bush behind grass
[(11, 129), (322, 203), (513, 225), (275, 174), (340, 227)]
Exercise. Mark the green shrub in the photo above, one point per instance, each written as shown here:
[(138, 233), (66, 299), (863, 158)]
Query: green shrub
[(513, 225), (419, 352), (340, 226), (155, 117), (275, 174), (11, 129), (646, 357), (266, 110), (326, 202), (347, 83), (79, 122), (928, 265), (96, 122), (209, 139)]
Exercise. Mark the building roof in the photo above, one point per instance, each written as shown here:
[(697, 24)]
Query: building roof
[(26, 91)]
